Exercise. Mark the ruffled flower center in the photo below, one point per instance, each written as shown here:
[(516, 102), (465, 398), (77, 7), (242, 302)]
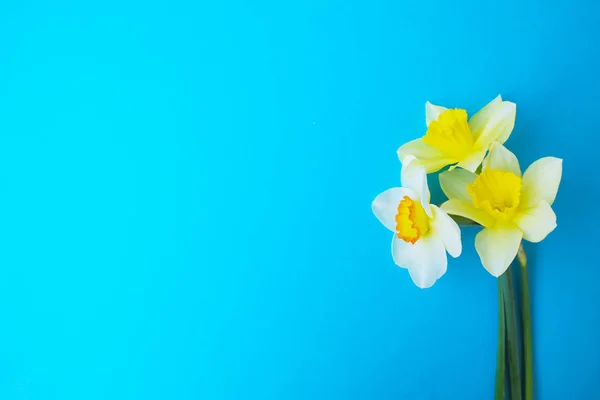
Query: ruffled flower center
[(496, 192), (411, 221), (451, 134)]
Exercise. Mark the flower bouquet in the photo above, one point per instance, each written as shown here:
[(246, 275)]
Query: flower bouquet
[(485, 187)]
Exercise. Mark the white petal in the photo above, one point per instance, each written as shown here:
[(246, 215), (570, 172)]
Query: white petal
[(414, 177), (536, 222), (454, 184), (464, 209), (425, 260), (493, 123), (473, 160), (540, 181), (497, 247), (502, 159), (447, 230), (430, 158), (402, 252), (385, 206), (432, 112)]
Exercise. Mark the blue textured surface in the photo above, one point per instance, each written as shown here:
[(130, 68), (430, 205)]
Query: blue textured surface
[(186, 191)]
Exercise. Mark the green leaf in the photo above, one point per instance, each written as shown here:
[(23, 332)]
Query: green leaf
[(526, 314), (462, 221), (514, 361), (501, 356)]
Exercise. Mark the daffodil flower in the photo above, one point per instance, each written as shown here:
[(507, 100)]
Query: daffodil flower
[(509, 206), (422, 232), (451, 139)]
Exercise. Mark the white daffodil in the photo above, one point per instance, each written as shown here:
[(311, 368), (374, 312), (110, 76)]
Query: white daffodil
[(508, 206), (422, 232), (450, 139)]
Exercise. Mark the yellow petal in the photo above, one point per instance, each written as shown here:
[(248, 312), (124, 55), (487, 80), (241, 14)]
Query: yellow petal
[(464, 209), (454, 184), (536, 222), (497, 247), (493, 123), (541, 181), (430, 158), (432, 112), (502, 159)]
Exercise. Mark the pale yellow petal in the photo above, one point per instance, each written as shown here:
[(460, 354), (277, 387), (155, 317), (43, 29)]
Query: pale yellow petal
[(473, 161), (479, 120), (502, 159), (430, 158), (497, 247), (432, 112), (541, 181), (536, 222), (493, 123), (464, 209), (454, 184)]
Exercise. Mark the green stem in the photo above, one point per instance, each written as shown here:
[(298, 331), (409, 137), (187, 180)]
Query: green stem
[(514, 370), (501, 356), (527, 342)]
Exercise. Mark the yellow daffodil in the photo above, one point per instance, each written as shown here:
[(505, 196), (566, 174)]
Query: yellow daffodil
[(422, 232), (509, 206), (451, 139)]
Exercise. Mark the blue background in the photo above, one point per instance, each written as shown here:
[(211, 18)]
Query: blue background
[(185, 191)]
